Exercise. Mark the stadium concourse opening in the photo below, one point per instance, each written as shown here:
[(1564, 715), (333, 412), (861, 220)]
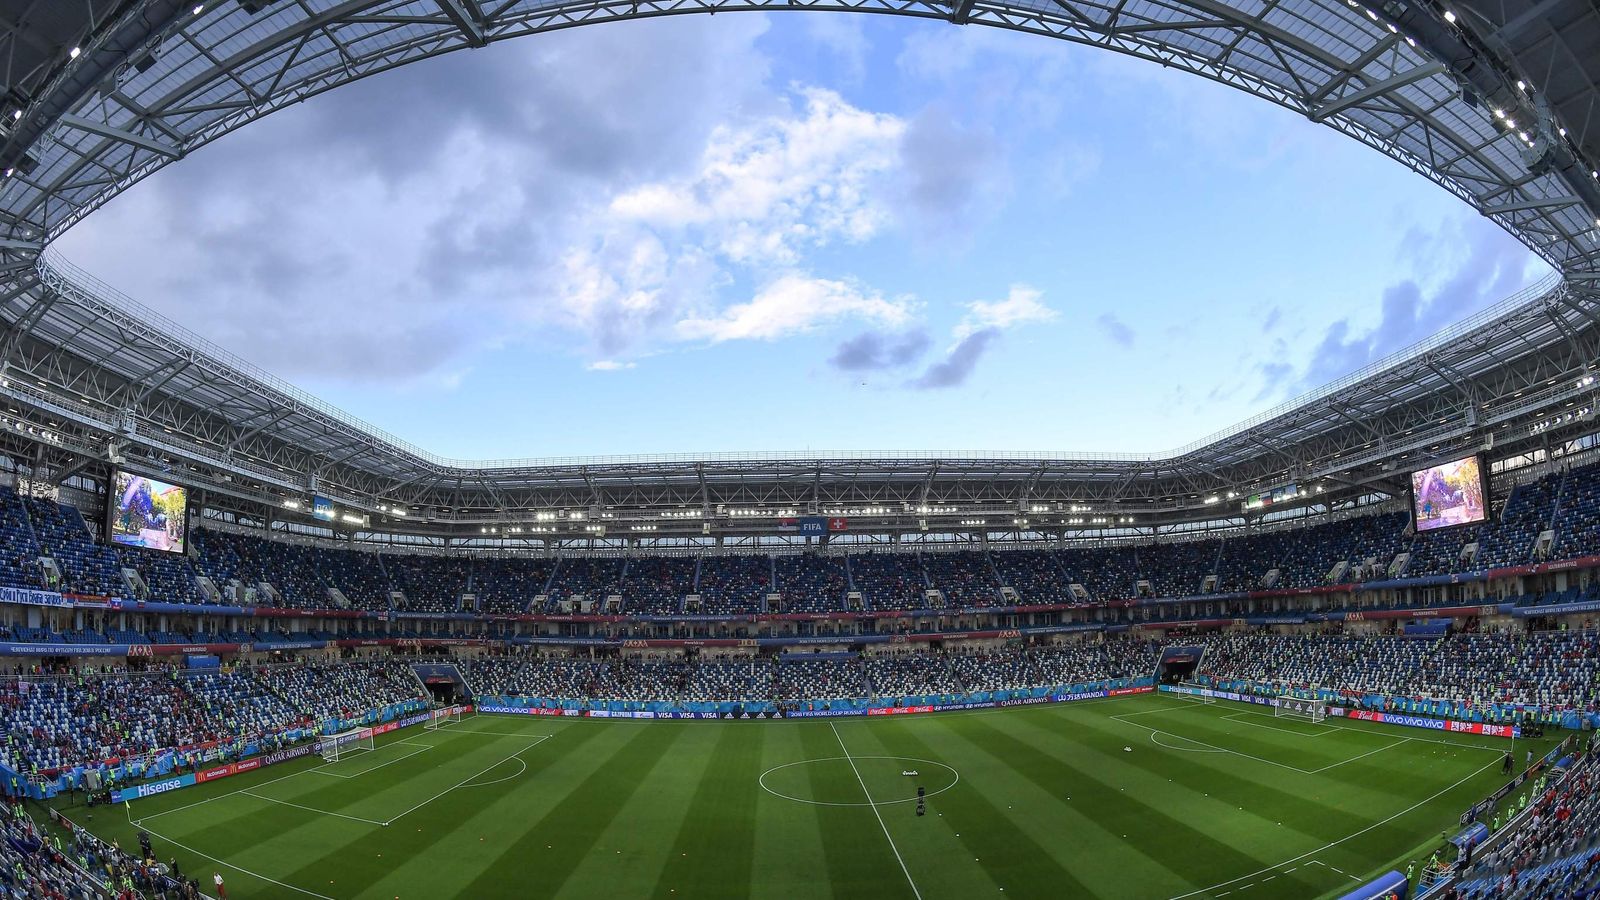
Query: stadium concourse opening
[(1178, 664)]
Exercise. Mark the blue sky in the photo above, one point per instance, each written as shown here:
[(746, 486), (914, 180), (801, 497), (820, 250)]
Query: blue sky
[(798, 232)]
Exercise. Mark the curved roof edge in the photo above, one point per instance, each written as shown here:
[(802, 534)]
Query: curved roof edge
[(53, 266)]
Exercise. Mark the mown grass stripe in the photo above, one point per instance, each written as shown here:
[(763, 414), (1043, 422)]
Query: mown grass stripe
[(1230, 781), (631, 852), (1009, 853), (1146, 826), (572, 827), (713, 854), (788, 850), (418, 835), (858, 860), (600, 787)]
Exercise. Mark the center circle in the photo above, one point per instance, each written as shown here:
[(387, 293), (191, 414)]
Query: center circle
[(838, 780)]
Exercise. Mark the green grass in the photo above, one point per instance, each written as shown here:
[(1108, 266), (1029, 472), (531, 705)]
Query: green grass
[(1211, 800)]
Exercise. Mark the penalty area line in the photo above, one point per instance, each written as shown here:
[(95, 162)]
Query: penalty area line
[(463, 782), (1332, 844), (225, 864), (324, 812)]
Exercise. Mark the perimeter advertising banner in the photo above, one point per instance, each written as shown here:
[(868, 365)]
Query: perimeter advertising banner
[(153, 788), (526, 710), (1452, 725)]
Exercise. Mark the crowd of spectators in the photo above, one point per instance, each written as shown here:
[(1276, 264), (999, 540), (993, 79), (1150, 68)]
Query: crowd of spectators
[(36, 866), (1549, 850), (58, 722), (254, 570), (319, 691), (810, 583), (909, 675), (1554, 672), (889, 580), (734, 584), (808, 676), (965, 578)]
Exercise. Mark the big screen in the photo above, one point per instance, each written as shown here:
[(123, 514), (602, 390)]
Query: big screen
[(148, 513), (1448, 494)]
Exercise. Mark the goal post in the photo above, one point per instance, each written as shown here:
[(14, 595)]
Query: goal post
[(335, 747), (450, 715), (1194, 692), (1314, 711)]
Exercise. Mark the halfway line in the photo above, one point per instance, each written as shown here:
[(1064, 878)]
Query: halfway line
[(848, 758)]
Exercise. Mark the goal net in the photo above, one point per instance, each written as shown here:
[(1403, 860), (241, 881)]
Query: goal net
[(443, 717), (335, 747), (1193, 692), (1297, 708)]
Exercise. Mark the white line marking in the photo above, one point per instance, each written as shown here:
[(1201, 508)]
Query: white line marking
[(496, 733), (1270, 762), (1259, 759), (464, 781), (228, 865), (914, 892), (762, 780), (516, 774), (324, 812), (1204, 748), (322, 769), (1327, 723), (1319, 862), (1150, 712), (1235, 717), (1441, 793), (251, 787), (1362, 756)]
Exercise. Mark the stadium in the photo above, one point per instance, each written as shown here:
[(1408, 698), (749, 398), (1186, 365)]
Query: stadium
[(259, 648)]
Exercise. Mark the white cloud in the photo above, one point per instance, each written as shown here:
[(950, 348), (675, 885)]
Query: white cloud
[(766, 191), (609, 365), (415, 220), (656, 261), (1021, 306), (797, 303), (627, 205)]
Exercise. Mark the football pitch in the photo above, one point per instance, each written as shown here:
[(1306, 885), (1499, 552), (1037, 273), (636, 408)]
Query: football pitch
[(1146, 796)]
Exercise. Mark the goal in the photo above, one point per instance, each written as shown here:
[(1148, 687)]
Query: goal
[(443, 717), (1297, 708), (335, 747), (1193, 692)]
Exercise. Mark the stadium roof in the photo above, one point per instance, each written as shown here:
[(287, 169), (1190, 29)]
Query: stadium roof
[(1482, 99)]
